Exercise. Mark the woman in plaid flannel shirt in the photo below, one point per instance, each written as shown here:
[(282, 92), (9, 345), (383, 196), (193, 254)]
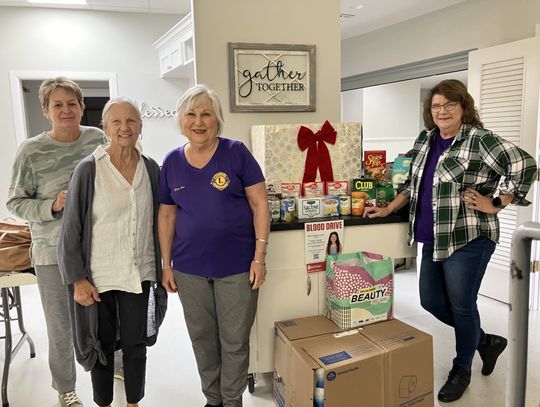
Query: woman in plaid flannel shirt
[(454, 192)]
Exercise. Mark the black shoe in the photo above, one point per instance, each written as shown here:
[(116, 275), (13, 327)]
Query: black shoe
[(489, 352), (213, 405), (457, 382)]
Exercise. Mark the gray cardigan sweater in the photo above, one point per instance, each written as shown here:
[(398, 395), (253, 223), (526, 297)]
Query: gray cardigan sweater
[(74, 250)]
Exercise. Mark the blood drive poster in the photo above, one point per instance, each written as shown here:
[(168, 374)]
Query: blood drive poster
[(319, 237)]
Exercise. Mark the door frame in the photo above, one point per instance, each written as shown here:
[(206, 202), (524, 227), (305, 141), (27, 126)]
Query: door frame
[(17, 98)]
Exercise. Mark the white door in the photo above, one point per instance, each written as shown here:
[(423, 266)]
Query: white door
[(504, 82)]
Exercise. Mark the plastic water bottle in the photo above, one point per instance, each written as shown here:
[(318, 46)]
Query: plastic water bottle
[(318, 394)]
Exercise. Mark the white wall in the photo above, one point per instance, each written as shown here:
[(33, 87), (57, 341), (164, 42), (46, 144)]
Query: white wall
[(471, 24), (391, 117), (279, 21), (352, 106), (35, 39)]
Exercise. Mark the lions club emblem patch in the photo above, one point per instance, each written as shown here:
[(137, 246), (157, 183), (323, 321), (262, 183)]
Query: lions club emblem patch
[(220, 181)]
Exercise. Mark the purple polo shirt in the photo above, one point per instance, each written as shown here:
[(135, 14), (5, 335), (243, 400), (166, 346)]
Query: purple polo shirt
[(214, 234), (423, 225)]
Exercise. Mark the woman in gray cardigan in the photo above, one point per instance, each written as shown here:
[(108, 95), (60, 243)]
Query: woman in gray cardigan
[(109, 255)]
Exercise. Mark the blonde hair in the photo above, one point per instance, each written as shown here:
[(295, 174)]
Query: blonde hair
[(49, 85), (194, 97)]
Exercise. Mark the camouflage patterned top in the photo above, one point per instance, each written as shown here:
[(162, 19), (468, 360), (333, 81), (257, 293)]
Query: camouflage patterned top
[(41, 170)]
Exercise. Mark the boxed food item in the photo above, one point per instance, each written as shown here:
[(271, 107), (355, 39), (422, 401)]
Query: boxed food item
[(385, 194), (330, 206), (375, 164), (400, 171), (359, 288), (312, 189), (288, 209), (309, 208), (291, 189), (275, 147), (386, 364), (363, 194), (337, 188)]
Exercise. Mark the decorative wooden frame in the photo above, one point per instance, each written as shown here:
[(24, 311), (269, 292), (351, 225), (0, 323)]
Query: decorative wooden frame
[(271, 77)]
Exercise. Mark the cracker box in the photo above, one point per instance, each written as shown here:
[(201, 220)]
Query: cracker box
[(312, 189), (365, 190), (375, 164), (275, 147), (307, 208), (337, 188), (359, 288)]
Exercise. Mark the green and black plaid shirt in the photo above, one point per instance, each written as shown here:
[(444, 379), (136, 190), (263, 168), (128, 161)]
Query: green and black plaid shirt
[(478, 159)]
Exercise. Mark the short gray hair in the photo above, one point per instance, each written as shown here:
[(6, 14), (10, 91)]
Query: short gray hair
[(116, 101), (193, 97)]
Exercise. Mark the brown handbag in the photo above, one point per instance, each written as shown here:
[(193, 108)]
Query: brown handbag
[(15, 242)]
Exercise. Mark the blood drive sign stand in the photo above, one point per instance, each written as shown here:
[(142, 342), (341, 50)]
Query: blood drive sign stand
[(317, 236)]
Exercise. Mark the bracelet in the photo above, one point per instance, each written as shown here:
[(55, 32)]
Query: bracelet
[(261, 240), (262, 263)]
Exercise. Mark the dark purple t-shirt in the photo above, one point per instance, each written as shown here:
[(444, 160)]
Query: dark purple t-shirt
[(214, 234), (423, 225)]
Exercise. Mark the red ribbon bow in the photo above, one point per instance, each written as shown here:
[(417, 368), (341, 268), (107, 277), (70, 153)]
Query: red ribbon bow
[(318, 155)]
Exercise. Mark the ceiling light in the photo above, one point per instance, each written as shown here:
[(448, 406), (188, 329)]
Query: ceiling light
[(53, 2)]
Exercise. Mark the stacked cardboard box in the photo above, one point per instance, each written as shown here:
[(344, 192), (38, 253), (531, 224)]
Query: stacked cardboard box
[(388, 364)]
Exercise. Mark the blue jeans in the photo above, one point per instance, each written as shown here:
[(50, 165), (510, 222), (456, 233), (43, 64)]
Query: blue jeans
[(449, 291)]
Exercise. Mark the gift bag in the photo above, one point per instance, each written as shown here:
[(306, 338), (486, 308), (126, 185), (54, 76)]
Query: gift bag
[(15, 241), (359, 288)]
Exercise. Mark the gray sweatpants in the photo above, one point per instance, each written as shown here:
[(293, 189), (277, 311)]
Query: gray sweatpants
[(54, 298), (219, 314)]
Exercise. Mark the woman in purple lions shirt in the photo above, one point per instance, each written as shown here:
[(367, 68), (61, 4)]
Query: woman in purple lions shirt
[(213, 231)]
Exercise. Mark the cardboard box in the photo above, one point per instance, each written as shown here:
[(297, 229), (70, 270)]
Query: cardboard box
[(307, 208), (388, 364), (275, 147), (408, 363), (287, 332)]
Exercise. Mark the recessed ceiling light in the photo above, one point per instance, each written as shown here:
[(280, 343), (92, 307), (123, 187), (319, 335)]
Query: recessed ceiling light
[(53, 2), (357, 6)]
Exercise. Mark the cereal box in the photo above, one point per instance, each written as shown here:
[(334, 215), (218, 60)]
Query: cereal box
[(312, 189), (375, 164), (337, 188)]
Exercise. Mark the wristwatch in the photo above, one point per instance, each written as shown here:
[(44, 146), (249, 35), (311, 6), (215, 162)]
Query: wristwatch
[(497, 203)]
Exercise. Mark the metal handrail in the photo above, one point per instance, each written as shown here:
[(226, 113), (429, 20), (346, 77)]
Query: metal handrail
[(518, 317)]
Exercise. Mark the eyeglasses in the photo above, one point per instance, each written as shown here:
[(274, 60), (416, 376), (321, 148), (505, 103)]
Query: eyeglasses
[(449, 106)]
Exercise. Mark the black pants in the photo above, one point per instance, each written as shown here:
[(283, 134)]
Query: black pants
[(128, 313)]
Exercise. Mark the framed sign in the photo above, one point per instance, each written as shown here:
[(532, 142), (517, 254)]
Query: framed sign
[(271, 77)]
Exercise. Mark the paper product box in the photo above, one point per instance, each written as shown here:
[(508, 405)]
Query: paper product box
[(408, 363), (292, 330), (386, 364), (275, 147), (359, 288)]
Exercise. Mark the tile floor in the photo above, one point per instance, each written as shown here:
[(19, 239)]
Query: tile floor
[(172, 379)]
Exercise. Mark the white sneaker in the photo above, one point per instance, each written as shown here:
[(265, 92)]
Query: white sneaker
[(69, 399), (119, 374)]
